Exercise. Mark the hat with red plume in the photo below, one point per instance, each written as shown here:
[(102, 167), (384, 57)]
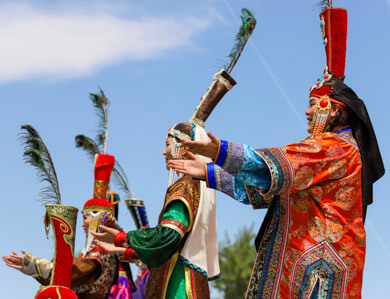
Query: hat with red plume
[(103, 167), (334, 23)]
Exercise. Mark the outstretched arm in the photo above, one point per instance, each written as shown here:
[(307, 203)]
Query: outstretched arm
[(194, 167), (152, 245), (204, 148), (14, 260)]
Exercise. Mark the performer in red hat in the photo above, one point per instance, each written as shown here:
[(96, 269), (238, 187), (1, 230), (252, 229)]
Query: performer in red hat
[(96, 270), (312, 241), (182, 251)]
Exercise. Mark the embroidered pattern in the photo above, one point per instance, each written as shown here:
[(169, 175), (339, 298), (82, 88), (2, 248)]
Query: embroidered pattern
[(256, 199), (176, 225), (224, 181), (348, 138), (234, 158), (320, 262), (100, 189), (282, 174), (329, 229), (266, 273)]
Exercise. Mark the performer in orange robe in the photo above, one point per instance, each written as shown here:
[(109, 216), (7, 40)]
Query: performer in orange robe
[(312, 241)]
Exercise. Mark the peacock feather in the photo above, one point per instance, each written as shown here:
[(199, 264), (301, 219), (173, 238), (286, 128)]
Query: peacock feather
[(324, 4), (87, 144), (120, 179), (246, 29), (91, 148), (101, 103), (37, 154)]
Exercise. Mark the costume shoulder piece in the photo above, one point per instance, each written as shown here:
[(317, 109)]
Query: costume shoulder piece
[(186, 190)]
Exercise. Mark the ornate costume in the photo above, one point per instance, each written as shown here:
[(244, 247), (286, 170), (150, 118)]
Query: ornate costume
[(62, 218), (93, 273), (312, 241), (181, 251)]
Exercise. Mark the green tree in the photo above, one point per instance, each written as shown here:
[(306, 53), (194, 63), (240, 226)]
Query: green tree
[(236, 261)]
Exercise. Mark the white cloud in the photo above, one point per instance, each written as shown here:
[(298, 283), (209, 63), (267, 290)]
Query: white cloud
[(45, 43)]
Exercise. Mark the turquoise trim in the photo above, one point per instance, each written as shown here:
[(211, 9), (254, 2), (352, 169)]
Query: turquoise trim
[(184, 260)]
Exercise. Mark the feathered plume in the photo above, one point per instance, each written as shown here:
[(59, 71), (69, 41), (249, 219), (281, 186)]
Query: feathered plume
[(246, 29), (37, 154), (121, 180), (100, 102), (91, 148), (324, 4), (88, 145)]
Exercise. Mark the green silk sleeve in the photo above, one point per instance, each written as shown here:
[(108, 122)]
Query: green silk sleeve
[(156, 245)]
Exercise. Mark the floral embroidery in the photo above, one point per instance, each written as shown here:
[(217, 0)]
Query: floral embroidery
[(346, 197), (331, 230), (352, 267), (337, 168), (303, 177), (316, 193), (310, 146), (360, 235), (334, 151)]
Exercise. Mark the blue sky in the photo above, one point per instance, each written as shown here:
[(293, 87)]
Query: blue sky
[(154, 60)]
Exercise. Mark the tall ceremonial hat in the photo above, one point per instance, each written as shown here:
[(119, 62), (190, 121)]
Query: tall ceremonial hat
[(99, 208), (222, 81), (103, 167), (62, 219), (330, 87), (203, 254)]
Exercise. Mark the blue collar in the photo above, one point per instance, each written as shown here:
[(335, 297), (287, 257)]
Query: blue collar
[(346, 129)]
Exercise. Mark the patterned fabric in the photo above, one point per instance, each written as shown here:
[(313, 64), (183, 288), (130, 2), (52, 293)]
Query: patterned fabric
[(237, 186), (176, 225), (174, 276), (109, 266), (157, 282), (122, 288), (313, 238)]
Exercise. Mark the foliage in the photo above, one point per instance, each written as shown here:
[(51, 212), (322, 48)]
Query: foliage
[(236, 260)]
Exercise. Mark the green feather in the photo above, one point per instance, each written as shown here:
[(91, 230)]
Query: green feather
[(101, 103), (87, 144), (246, 29), (37, 155), (120, 179)]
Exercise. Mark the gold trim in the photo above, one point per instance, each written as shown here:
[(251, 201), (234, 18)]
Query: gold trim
[(171, 267), (188, 281), (223, 80), (188, 205), (174, 227), (58, 293)]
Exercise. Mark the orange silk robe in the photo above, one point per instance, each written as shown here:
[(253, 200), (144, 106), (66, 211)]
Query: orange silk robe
[(312, 241)]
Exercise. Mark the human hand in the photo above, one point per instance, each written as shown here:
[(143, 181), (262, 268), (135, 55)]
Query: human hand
[(194, 167), (14, 260), (204, 148), (107, 236), (111, 247)]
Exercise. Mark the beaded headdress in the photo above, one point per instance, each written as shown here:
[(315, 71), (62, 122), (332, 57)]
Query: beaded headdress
[(334, 21), (99, 208)]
